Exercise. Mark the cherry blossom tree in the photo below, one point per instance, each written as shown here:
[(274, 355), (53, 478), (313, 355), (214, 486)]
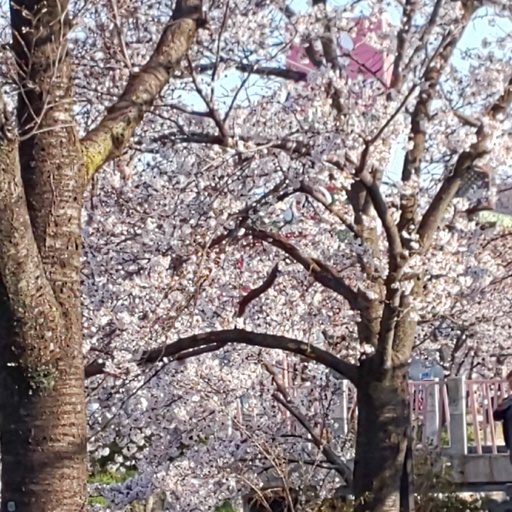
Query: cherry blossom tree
[(44, 169), (258, 204), (292, 167)]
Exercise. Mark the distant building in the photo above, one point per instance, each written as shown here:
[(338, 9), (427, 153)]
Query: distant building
[(478, 187), (489, 202), (356, 55), (420, 369)]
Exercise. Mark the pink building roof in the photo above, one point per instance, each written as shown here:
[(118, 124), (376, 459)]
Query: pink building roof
[(363, 58)]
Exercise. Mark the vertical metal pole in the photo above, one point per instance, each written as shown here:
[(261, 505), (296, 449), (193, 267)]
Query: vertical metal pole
[(341, 414), (432, 424), (457, 407)]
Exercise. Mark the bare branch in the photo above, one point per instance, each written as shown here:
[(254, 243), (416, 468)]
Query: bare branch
[(258, 291), (108, 140), (401, 41), (321, 272), (218, 339), (213, 114)]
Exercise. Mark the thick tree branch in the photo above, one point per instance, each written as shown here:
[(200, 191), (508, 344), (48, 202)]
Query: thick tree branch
[(299, 147), (396, 261), (435, 212), (307, 189), (243, 215), (254, 69), (365, 192), (108, 140), (359, 198), (21, 268), (321, 272), (381, 208), (401, 43), (494, 112), (329, 50), (367, 326), (502, 104), (296, 147), (309, 46), (327, 39), (181, 347), (420, 117)]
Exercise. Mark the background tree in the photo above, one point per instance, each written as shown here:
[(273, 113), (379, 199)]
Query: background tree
[(298, 172)]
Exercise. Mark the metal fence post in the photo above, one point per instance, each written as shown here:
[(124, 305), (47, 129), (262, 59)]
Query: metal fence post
[(432, 417), (457, 407), (340, 418)]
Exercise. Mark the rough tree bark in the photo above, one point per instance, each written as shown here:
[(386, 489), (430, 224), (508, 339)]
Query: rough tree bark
[(44, 169), (382, 472), (381, 444), (43, 427)]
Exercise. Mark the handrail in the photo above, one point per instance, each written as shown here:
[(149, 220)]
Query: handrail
[(453, 413)]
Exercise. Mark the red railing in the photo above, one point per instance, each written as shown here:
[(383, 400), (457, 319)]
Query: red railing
[(432, 410), (431, 414), (483, 397)]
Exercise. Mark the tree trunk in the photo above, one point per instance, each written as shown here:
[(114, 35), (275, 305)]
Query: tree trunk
[(382, 437), (42, 398), (42, 434)]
